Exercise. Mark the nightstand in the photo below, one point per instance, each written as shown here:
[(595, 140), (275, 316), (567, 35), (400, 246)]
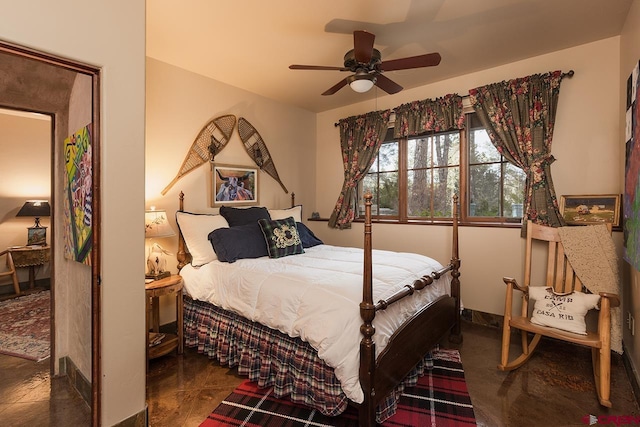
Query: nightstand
[(30, 257), (166, 343)]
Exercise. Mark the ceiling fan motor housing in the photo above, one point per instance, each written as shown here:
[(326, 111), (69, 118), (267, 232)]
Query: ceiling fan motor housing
[(353, 65)]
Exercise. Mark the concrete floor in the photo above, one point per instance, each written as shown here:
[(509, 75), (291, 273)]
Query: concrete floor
[(555, 388)]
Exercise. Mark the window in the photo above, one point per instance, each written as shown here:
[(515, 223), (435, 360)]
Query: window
[(414, 179)]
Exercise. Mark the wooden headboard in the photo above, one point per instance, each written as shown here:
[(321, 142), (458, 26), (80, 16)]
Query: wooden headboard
[(183, 255)]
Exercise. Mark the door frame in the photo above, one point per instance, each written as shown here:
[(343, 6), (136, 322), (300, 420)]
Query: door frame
[(94, 73)]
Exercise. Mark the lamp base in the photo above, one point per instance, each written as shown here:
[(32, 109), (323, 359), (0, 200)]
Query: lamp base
[(158, 276)]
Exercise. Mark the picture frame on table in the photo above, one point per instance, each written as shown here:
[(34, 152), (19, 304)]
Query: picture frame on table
[(591, 209), (234, 185), (37, 236)]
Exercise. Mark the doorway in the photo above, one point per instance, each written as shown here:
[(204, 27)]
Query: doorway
[(69, 92)]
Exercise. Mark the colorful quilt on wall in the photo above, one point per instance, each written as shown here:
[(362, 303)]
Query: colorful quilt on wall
[(631, 196), (78, 196)]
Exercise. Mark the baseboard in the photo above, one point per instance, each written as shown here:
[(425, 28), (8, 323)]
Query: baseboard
[(631, 373), (141, 419), (481, 318), (75, 378)]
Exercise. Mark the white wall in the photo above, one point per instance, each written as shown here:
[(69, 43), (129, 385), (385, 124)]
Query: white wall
[(110, 35), (586, 134), (179, 104), (629, 57)]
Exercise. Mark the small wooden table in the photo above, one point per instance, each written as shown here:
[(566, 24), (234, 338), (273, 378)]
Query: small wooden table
[(153, 291), (30, 257)]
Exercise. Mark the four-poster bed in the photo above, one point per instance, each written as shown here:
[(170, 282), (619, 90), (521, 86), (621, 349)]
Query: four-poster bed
[(273, 356)]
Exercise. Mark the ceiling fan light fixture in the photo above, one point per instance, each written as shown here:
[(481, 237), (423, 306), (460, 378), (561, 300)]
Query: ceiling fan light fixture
[(361, 83)]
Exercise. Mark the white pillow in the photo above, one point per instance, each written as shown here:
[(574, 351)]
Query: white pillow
[(295, 212), (195, 229), (561, 311)]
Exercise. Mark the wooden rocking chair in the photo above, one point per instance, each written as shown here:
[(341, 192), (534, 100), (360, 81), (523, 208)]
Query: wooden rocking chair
[(560, 276), (11, 271)]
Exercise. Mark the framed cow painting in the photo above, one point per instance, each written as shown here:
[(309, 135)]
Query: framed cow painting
[(234, 185)]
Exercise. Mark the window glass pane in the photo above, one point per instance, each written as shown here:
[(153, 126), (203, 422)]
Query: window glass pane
[(418, 153), (514, 179), (369, 184), (388, 156), (419, 193), (446, 181), (484, 193), (446, 149), (481, 150), (388, 194)]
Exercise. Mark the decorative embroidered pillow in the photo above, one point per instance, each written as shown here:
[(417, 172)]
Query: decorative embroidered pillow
[(195, 229), (561, 311), (295, 212), (242, 216), (281, 236)]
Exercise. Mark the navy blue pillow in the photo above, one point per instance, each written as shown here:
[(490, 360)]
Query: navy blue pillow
[(242, 216), (309, 239), (239, 242)]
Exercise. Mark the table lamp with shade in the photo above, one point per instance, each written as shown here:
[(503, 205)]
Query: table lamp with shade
[(156, 225), (37, 235)]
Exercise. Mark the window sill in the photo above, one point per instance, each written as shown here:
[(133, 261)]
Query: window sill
[(516, 225)]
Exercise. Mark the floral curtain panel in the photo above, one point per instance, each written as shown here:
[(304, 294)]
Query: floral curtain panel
[(360, 139), (429, 115), (519, 116)]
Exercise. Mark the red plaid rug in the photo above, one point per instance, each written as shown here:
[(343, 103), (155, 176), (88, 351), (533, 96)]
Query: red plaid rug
[(439, 399)]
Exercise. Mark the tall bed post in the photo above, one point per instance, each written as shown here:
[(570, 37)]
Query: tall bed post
[(367, 410), (456, 334), (182, 255)]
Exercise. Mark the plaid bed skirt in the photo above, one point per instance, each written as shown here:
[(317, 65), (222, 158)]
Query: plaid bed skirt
[(273, 359)]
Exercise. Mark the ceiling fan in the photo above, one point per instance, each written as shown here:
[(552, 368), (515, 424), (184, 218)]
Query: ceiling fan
[(366, 63)]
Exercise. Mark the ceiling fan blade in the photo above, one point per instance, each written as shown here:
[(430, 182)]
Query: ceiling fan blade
[(342, 83), (363, 46), (387, 84), (428, 60), (316, 67)]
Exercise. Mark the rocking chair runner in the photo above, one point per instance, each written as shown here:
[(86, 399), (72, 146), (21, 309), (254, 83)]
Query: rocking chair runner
[(561, 277)]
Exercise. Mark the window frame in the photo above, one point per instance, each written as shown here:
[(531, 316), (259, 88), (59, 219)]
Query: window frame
[(464, 186)]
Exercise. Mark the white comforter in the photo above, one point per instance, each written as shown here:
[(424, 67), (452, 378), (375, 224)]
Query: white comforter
[(316, 296)]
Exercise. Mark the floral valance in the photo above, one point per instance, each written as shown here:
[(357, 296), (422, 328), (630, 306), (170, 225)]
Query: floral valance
[(429, 115)]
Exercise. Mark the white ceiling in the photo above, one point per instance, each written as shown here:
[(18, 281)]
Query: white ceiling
[(251, 43)]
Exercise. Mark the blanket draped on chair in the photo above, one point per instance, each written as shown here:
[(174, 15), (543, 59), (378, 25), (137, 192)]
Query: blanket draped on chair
[(592, 254)]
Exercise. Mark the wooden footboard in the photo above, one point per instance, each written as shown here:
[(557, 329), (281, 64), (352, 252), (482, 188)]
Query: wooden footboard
[(408, 345)]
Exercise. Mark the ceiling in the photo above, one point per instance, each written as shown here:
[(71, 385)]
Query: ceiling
[(251, 43)]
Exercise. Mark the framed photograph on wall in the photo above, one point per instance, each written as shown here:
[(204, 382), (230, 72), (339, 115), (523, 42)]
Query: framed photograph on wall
[(234, 185), (591, 209)]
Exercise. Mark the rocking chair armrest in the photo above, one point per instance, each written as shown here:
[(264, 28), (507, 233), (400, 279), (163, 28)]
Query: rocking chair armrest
[(614, 299), (514, 284)]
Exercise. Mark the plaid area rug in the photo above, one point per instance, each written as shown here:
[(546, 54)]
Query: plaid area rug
[(24, 326), (439, 399)]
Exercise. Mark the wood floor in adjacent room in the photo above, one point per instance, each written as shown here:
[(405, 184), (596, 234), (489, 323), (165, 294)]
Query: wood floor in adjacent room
[(555, 388)]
